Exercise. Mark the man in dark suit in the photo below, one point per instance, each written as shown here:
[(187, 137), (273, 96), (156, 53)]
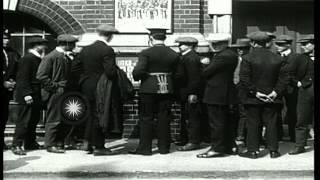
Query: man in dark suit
[(9, 69), (96, 60), (53, 72), (188, 77), (155, 69), (264, 78), (305, 82), (28, 97), (220, 93), (283, 44)]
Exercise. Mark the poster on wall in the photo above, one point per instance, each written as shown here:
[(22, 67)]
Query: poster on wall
[(133, 16)]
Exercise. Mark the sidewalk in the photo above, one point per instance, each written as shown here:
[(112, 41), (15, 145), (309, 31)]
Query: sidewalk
[(77, 164)]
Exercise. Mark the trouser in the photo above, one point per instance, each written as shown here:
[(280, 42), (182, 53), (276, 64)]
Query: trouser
[(191, 112), (28, 118), (241, 130), (5, 112), (305, 114), (256, 115), (151, 106), (55, 129), (221, 127), (291, 100)]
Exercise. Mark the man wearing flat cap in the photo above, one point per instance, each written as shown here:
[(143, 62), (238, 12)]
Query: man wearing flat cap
[(219, 95), (156, 69), (304, 81), (53, 72), (189, 82), (29, 97), (98, 82), (283, 44), (264, 79), (9, 69)]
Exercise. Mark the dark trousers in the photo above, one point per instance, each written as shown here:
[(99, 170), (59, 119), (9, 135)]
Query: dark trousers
[(291, 100), (191, 112), (221, 123), (305, 114), (93, 132), (28, 118), (256, 116), (241, 130), (154, 106), (5, 112), (55, 128)]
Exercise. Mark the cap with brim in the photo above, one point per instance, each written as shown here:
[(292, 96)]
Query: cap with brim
[(284, 39), (6, 33), (271, 35), (37, 40), (105, 28), (216, 38), (157, 33), (259, 36), (242, 42), (67, 38), (187, 40), (307, 38)]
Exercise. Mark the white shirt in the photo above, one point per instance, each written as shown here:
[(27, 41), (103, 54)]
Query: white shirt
[(34, 52), (186, 52), (286, 52)]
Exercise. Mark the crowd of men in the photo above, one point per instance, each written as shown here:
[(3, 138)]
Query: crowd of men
[(231, 95)]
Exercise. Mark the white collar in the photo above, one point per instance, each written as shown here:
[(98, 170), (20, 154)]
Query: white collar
[(60, 50), (103, 40), (34, 52), (286, 52), (186, 52)]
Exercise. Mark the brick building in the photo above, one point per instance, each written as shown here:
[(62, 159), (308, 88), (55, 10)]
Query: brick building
[(196, 18)]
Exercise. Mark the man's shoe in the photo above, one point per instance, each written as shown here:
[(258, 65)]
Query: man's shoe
[(240, 138), (55, 149), (297, 150), (180, 143), (210, 154), (189, 147), (232, 151), (103, 152), (17, 150), (274, 154), (32, 146), (135, 152), (249, 154)]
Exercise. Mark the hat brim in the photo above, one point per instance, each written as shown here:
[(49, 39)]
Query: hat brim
[(304, 41), (238, 45)]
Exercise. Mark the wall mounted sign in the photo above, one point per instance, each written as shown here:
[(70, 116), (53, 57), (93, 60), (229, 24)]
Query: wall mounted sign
[(133, 16)]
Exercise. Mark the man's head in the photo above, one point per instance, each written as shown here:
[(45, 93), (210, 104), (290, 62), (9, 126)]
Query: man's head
[(106, 31), (307, 44), (259, 39), (186, 43), (218, 42), (157, 35), (242, 46), (6, 37), (283, 42), (67, 41), (271, 39), (38, 43)]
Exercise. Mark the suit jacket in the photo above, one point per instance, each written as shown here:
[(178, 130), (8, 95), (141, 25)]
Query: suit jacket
[(156, 59), (188, 75), (94, 60), (263, 71), (306, 71), (27, 83), (9, 71), (220, 89)]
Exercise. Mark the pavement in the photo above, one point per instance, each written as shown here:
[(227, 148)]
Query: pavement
[(76, 164)]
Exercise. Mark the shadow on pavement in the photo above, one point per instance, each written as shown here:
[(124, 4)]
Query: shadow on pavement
[(14, 164)]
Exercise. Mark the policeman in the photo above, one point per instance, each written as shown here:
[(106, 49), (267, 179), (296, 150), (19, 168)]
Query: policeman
[(189, 78), (29, 98), (9, 69), (264, 78), (305, 82), (219, 95), (53, 72), (155, 69), (283, 44)]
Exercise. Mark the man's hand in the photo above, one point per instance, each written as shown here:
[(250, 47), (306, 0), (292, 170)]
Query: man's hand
[(263, 97), (10, 85), (299, 84), (273, 95), (192, 99), (28, 99), (205, 61)]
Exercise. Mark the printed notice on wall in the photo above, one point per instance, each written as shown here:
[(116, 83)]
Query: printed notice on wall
[(127, 64)]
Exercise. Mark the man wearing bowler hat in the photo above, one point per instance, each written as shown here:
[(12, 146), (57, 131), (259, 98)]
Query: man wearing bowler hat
[(155, 69), (264, 79), (283, 44), (188, 77), (9, 70), (305, 82), (53, 72), (98, 60), (219, 95), (28, 97)]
